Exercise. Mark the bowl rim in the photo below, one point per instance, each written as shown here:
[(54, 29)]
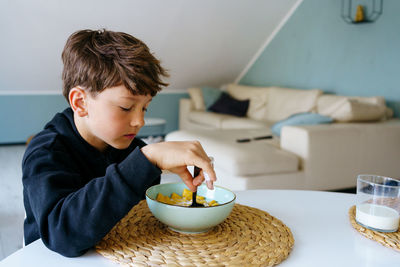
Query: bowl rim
[(234, 197)]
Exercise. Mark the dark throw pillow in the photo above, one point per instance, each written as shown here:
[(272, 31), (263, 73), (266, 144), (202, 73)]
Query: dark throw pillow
[(210, 95), (226, 104)]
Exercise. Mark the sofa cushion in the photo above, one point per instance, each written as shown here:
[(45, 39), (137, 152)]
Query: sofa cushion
[(258, 97), (226, 104), (196, 96), (307, 118), (352, 109), (207, 118), (241, 159), (242, 123), (224, 121), (355, 111), (283, 102)]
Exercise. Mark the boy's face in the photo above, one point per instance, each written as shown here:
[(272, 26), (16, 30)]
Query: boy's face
[(114, 117)]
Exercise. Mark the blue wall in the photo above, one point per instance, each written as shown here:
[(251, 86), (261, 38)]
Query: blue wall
[(166, 106), (24, 115), (317, 49)]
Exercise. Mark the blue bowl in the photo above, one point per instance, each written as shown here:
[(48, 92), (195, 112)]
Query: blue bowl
[(190, 219)]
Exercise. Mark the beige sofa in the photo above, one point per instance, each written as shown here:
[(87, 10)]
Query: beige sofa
[(314, 157)]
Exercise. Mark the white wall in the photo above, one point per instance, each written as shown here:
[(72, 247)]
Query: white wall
[(201, 42)]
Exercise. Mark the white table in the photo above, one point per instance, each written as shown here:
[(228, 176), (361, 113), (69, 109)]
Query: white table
[(318, 220)]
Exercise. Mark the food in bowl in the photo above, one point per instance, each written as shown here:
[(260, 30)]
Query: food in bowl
[(185, 199), (190, 219)]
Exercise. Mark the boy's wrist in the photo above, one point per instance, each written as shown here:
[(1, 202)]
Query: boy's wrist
[(147, 152), (141, 168)]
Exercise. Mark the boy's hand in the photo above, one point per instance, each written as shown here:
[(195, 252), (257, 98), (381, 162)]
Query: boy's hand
[(176, 156)]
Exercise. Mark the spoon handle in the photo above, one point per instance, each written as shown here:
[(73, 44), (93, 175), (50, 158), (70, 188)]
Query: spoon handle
[(196, 172), (194, 197)]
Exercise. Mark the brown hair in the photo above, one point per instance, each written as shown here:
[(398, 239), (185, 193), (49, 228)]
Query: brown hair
[(101, 59)]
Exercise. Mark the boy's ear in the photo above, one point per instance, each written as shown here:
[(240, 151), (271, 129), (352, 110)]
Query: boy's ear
[(78, 101)]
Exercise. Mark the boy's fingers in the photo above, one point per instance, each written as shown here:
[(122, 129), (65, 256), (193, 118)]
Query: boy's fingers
[(187, 178), (198, 180), (205, 176), (208, 169), (204, 162), (208, 174), (210, 185)]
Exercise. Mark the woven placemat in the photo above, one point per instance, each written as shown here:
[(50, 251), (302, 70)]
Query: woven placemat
[(249, 236), (391, 240)]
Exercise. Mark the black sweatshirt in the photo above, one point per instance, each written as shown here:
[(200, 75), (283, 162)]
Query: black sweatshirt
[(73, 193)]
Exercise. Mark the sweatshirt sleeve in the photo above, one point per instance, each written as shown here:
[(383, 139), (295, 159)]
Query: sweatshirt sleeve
[(72, 212)]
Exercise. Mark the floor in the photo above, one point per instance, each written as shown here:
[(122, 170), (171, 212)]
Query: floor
[(11, 201), (11, 204)]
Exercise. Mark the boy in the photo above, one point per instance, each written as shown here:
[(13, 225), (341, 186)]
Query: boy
[(86, 169)]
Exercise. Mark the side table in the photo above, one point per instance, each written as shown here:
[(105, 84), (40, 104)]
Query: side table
[(153, 130)]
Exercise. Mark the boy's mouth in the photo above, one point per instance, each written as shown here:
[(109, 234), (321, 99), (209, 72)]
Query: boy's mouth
[(130, 136)]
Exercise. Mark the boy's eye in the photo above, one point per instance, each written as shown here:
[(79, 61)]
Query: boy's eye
[(129, 109), (125, 109)]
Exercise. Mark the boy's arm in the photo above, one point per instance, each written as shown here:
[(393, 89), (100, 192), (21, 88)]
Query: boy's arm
[(73, 214)]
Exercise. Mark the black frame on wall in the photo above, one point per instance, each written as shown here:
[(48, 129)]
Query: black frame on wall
[(347, 11)]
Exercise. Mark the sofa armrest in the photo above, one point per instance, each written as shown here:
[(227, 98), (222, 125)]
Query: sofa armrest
[(185, 107), (341, 151), (324, 143), (325, 153)]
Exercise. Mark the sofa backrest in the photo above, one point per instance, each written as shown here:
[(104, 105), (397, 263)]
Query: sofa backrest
[(284, 102), (272, 104), (258, 97)]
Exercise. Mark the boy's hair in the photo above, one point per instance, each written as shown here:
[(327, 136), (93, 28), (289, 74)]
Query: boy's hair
[(101, 59)]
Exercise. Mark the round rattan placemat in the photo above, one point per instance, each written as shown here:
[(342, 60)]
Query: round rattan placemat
[(391, 240), (249, 236)]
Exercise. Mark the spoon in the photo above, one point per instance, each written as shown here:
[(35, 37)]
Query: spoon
[(194, 194)]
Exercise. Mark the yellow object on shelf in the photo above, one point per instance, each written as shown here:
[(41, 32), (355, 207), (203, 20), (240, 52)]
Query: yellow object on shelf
[(359, 14)]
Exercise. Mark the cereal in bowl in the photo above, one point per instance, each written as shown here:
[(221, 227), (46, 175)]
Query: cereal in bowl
[(185, 199)]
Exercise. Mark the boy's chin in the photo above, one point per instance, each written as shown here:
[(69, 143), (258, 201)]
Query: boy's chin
[(121, 146)]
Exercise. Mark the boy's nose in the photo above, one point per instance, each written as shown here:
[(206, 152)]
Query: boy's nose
[(137, 120)]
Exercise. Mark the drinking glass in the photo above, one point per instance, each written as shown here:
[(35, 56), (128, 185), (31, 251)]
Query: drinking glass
[(378, 202)]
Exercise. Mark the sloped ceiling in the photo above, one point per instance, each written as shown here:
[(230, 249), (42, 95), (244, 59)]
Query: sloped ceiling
[(201, 42)]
